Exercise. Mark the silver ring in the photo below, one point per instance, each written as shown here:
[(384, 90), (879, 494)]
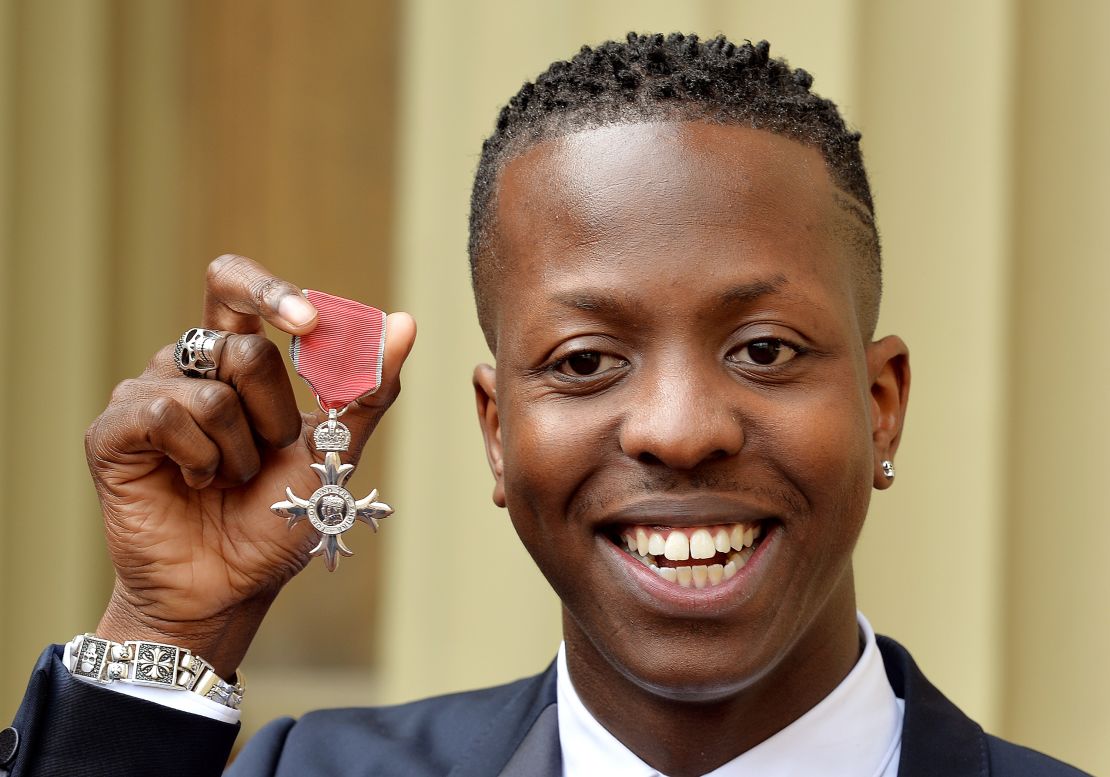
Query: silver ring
[(193, 352)]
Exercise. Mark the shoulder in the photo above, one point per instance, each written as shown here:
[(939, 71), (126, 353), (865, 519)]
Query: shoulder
[(939, 738), (424, 737), (1010, 760)]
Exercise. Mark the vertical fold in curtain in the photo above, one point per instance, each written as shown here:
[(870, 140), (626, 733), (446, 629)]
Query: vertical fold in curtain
[(58, 344)]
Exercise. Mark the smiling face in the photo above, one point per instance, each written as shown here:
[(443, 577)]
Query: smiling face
[(681, 375)]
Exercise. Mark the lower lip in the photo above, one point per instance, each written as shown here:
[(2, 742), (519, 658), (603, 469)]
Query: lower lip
[(737, 588)]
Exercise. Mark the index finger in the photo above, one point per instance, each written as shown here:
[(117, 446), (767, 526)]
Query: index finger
[(239, 294)]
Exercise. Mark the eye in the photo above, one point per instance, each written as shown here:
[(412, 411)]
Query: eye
[(583, 364), (767, 352)]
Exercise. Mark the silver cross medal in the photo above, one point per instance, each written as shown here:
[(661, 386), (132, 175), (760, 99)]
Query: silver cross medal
[(332, 509)]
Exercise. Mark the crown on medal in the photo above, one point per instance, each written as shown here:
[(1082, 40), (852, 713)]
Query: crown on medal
[(331, 436)]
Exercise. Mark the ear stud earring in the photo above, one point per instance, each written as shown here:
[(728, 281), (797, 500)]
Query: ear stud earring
[(888, 469)]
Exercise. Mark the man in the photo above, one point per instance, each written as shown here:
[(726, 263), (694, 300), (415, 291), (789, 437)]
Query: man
[(677, 270)]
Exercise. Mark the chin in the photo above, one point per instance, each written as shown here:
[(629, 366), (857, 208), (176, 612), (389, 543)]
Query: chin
[(680, 662)]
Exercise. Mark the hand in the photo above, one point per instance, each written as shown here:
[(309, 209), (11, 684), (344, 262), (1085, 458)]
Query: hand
[(186, 470)]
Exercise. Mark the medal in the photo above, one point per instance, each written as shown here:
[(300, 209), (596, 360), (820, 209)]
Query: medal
[(341, 359)]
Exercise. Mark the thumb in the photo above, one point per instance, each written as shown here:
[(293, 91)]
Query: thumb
[(363, 414)]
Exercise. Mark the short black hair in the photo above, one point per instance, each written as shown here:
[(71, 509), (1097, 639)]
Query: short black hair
[(675, 77)]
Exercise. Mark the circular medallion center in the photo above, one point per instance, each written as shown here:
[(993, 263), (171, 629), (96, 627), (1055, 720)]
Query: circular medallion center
[(331, 510)]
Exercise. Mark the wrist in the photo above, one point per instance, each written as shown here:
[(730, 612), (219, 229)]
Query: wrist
[(222, 639)]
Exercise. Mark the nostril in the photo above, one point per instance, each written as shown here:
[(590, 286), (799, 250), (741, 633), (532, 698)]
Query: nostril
[(650, 458)]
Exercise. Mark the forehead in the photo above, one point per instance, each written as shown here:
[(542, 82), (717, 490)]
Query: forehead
[(691, 166), (630, 202)]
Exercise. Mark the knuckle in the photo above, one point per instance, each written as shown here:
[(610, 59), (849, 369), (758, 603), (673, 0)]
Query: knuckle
[(215, 401), (265, 292), (91, 437), (219, 267), (161, 413), (162, 357), (124, 390), (252, 353)]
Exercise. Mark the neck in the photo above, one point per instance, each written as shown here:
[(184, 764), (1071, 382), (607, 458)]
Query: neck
[(685, 738)]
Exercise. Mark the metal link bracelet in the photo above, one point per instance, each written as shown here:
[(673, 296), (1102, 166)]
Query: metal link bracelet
[(153, 664)]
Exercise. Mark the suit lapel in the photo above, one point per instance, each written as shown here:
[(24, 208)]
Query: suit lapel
[(539, 754), (526, 725), (937, 738)]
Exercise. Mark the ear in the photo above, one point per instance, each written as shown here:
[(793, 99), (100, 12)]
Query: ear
[(888, 369), (485, 395)]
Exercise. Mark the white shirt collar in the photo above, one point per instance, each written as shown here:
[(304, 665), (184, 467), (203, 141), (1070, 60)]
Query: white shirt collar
[(855, 731)]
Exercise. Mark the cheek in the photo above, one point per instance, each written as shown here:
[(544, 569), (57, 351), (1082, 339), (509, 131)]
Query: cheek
[(542, 469), (825, 450), (550, 447)]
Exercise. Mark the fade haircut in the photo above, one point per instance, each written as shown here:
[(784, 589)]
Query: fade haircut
[(675, 78)]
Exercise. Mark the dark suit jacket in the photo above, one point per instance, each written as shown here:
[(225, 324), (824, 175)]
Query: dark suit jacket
[(71, 729)]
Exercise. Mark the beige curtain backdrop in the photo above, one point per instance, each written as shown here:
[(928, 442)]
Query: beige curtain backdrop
[(139, 139)]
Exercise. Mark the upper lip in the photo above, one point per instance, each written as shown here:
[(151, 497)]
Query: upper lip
[(688, 510)]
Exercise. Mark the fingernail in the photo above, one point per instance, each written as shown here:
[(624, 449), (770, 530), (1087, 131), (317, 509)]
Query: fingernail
[(296, 309)]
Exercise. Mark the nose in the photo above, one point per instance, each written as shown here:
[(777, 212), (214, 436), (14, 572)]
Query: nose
[(681, 418)]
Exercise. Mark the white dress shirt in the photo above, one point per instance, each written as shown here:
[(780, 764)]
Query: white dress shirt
[(855, 731)]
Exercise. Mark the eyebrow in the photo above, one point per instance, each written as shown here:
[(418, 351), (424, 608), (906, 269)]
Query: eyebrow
[(593, 301), (740, 294), (746, 293)]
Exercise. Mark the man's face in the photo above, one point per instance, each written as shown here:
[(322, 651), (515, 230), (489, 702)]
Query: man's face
[(678, 351)]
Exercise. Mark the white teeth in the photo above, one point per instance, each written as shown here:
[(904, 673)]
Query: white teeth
[(736, 537), (721, 541), (736, 540), (677, 547), (701, 544), (685, 578), (700, 573)]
